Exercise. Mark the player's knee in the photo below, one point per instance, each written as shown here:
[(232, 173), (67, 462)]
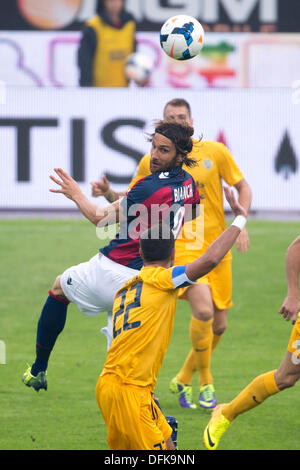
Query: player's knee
[(286, 380), (218, 330), (203, 314), (56, 288)]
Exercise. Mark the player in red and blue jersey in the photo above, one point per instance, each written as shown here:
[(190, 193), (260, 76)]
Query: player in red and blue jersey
[(92, 285), (160, 196)]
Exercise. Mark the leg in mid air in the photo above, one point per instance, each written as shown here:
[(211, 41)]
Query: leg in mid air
[(256, 392), (91, 286), (51, 323)]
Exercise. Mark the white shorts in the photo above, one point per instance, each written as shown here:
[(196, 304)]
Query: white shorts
[(93, 285)]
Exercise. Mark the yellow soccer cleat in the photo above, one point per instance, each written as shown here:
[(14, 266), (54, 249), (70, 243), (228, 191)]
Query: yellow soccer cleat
[(215, 429), (38, 382)]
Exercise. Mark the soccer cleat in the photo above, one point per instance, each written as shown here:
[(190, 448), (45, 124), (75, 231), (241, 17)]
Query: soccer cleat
[(174, 425), (37, 382), (184, 392), (207, 398), (215, 429)]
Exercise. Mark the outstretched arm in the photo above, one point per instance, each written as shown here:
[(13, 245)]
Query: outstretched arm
[(218, 249), (96, 215), (291, 304)]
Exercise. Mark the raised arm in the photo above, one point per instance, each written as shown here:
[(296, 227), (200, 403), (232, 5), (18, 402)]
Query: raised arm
[(291, 304), (98, 216), (218, 249)]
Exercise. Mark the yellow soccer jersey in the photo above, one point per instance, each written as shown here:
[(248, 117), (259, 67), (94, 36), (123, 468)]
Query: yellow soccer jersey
[(215, 163), (143, 318)]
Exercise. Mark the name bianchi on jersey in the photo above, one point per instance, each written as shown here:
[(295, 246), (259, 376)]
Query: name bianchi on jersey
[(183, 192), (151, 459)]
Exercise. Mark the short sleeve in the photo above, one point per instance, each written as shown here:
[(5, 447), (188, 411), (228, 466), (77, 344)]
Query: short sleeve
[(171, 279), (228, 169), (179, 277)]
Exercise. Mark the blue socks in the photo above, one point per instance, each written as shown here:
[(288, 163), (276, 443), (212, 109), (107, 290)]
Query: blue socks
[(50, 325)]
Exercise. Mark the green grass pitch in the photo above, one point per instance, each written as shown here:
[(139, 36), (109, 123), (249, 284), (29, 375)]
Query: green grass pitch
[(66, 417)]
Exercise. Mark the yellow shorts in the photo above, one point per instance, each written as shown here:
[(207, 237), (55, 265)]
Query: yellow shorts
[(132, 418), (220, 282), (294, 343)]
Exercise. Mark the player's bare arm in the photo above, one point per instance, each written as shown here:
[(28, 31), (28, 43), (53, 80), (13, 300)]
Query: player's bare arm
[(218, 249), (71, 190), (245, 199), (102, 188), (291, 304)]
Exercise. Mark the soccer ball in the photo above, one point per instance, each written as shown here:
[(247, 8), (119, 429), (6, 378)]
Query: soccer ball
[(138, 67), (182, 37)]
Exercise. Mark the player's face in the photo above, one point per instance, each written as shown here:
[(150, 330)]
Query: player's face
[(163, 154), (113, 7), (179, 114)]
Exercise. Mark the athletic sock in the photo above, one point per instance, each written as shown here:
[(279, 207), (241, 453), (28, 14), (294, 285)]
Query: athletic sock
[(201, 338), (215, 341), (50, 325), (188, 369), (253, 395)]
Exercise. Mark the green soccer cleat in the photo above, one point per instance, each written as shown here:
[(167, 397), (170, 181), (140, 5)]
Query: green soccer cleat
[(207, 398), (184, 392), (215, 429), (37, 382)]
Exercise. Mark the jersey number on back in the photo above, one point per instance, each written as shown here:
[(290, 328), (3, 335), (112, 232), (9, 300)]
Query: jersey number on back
[(136, 303)]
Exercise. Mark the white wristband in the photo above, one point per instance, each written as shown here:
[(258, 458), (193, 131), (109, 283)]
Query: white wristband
[(239, 222)]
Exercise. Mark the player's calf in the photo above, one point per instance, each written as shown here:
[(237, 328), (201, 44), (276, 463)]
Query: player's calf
[(50, 325)]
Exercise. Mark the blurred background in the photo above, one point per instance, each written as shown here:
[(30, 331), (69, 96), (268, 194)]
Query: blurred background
[(244, 89)]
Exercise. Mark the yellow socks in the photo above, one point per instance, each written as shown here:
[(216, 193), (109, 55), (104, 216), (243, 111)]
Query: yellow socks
[(201, 335), (199, 356), (201, 339), (188, 369), (253, 395), (215, 341)]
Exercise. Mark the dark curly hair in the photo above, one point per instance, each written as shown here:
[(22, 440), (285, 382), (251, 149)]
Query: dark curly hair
[(180, 135)]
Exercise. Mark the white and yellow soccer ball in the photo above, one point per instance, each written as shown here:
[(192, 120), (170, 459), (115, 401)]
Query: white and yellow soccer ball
[(138, 67), (182, 37)]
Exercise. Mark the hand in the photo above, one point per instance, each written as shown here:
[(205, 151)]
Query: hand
[(68, 185), (234, 204), (242, 241), (290, 308), (99, 188)]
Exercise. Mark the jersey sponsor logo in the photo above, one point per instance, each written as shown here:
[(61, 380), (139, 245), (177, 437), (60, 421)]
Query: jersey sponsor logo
[(183, 192)]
